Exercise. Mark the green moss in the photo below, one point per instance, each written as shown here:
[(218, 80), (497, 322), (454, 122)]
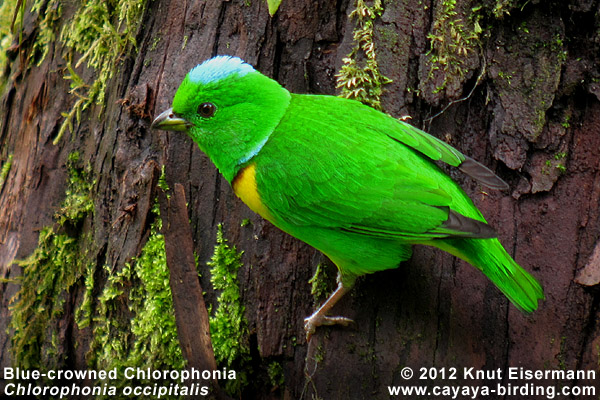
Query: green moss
[(505, 76), (362, 80), (49, 273), (78, 202), (319, 354), (319, 284), (560, 162), (148, 338), (156, 40), (557, 46), (453, 38), (7, 11), (5, 170), (100, 33), (561, 357), (246, 222), (504, 7), (8, 8), (228, 325), (49, 12), (162, 182), (83, 314), (276, 375)]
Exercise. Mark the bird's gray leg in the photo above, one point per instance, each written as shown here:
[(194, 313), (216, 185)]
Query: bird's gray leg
[(319, 318)]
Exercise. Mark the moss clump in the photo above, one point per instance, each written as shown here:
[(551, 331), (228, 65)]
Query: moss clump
[(228, 325), (8, 11), (503, 7), (559, 164), (148, 339), (560, 155), (49, 273), (362, 80), (49, 13), (162, 182), (83, 314), (101, 32), (5, 170), (454, 37), (78, 202), (245, 222), (276, 375), (319, 284)]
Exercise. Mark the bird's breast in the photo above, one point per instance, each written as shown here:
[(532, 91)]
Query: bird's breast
[(244, 186)]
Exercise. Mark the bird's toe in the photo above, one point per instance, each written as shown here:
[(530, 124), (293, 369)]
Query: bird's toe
[(311, 323)]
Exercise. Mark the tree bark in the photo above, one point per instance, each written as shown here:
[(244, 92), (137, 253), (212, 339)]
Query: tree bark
[(519, 92)]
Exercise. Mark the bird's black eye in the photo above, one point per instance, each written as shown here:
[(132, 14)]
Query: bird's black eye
[(207, 110)]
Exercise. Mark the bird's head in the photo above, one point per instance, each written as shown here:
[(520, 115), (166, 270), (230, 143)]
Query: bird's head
[(228, 108)]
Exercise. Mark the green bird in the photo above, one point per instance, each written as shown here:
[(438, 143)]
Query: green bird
[(351, 181)]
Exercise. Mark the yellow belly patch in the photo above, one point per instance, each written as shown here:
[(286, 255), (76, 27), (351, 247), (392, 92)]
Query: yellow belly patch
[(244, 186)]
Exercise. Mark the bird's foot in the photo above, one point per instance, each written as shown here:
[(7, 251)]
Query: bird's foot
[(311, 323)]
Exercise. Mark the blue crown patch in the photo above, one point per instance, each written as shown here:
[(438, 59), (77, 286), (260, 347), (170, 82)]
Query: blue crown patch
[(217, 68)]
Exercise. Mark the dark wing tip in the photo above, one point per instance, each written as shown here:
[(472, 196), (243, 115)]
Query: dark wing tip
[(468, 227), (482, 174)]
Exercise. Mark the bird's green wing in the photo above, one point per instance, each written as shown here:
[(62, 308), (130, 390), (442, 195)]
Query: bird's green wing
[(438, 150), (334, 163)]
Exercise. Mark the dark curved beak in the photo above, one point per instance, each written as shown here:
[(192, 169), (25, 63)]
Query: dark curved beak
[(169, 121)]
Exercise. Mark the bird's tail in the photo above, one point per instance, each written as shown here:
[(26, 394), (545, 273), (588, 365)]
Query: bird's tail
[(488, 255)]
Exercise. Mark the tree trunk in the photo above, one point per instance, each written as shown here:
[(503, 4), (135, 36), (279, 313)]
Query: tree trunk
[(513, 84)]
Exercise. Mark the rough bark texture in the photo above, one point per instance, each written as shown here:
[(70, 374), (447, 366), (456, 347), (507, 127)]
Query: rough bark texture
[(524, 100)]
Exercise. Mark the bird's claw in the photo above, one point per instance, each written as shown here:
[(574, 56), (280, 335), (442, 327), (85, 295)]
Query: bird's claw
[(311, 323)]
